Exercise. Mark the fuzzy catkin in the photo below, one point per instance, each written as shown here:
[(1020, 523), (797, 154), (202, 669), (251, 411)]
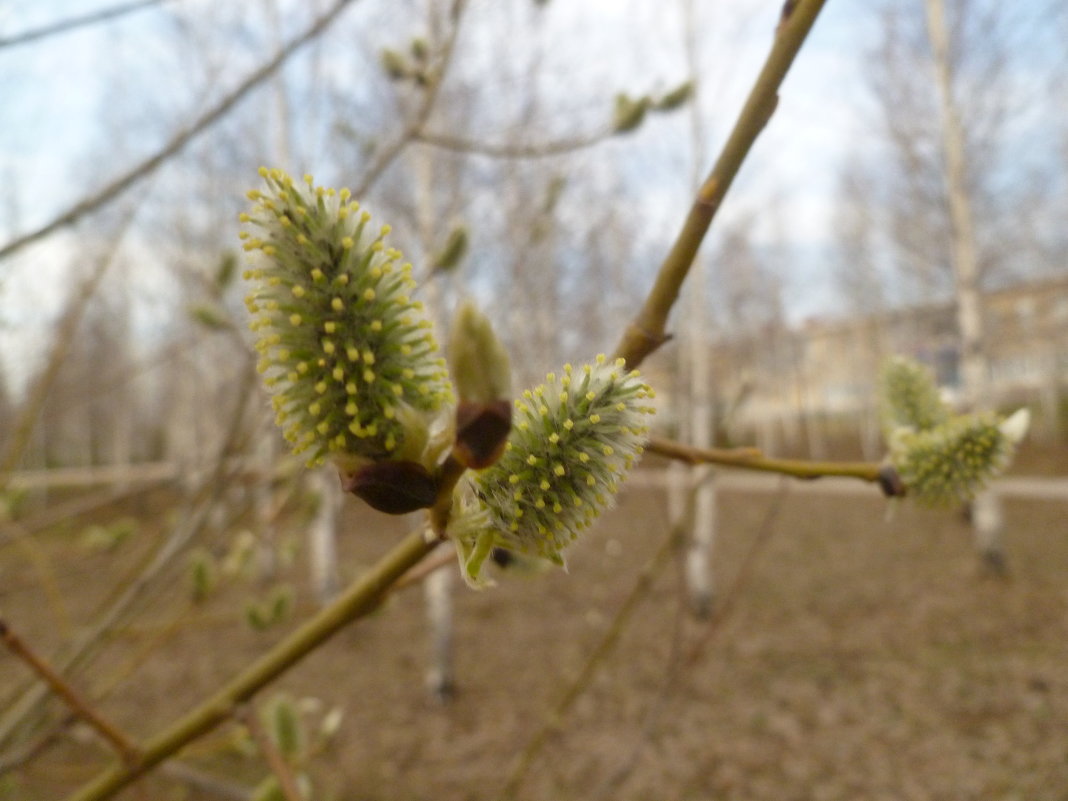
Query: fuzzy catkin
[(347, 354), (573, 440), (951, 462), (910, 397)]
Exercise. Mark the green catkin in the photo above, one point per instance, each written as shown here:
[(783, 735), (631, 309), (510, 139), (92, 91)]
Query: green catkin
[(942, 458), (573, 440), (348, 356), (952, 461), (910, 397)]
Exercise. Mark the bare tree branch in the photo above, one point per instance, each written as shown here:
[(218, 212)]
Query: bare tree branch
[(283, 773), (73, 23), (422, 113), (113, 190), (646, 332), (64, 690), (64, 339), (753, 459), (514, 151), (359, 599)]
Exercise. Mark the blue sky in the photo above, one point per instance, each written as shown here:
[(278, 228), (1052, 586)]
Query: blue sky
[(55, 143)]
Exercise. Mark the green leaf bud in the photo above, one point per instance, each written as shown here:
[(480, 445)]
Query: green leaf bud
[(256, 617), (202, 574), (283, 722), (419, 48), (573, 440), (347, 354), (553, 192), (628, 114), (331, 723), (225, 272), (481, 370), (210, 316), (452, 252), (909, 397), (281, 603), (395, 65), (482, 374), (952, 461), (268, 790), (675, 98)]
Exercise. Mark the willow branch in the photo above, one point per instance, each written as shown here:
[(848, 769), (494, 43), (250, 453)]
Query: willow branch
[(646, 332), (753, 459), (360, 598), (178, 141), (61, 346), (419, 119), (73, 23), (672, 678), (130, 590), (74, 700), (513, 151), (601, 652), (283, 773)]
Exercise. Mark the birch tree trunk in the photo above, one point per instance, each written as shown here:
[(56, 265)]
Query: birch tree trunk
[(986, 515), (322, 535)]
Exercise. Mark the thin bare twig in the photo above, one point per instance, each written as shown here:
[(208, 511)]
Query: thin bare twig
[(61, 345), (205, 782), (73, 23), (363, 596), (287, 782), (419, 119), (190, 524), (113, 190), (29, 751), (68, 510), (678, 665), (642, 586), (534, 150), (74, 700), (443, 557), (646, 332), (753, 459)]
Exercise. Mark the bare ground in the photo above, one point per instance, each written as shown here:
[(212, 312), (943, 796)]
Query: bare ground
[(861, 659)]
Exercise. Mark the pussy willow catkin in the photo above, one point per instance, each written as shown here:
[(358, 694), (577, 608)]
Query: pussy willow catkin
[(348, 356)]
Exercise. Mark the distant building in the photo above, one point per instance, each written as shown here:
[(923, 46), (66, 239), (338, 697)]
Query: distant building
[(828, 368)]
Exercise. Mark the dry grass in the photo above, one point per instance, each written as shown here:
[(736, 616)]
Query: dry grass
[(863, 660)]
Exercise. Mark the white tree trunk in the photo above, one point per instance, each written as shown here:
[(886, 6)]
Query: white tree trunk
[(322, 535), (437, 590), (699, 557), (265, 455), (965, 267)]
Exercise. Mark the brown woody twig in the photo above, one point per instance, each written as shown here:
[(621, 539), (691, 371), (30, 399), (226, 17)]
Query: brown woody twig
[(74, 700), (287, 782), (646, 332), (753, 459)]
